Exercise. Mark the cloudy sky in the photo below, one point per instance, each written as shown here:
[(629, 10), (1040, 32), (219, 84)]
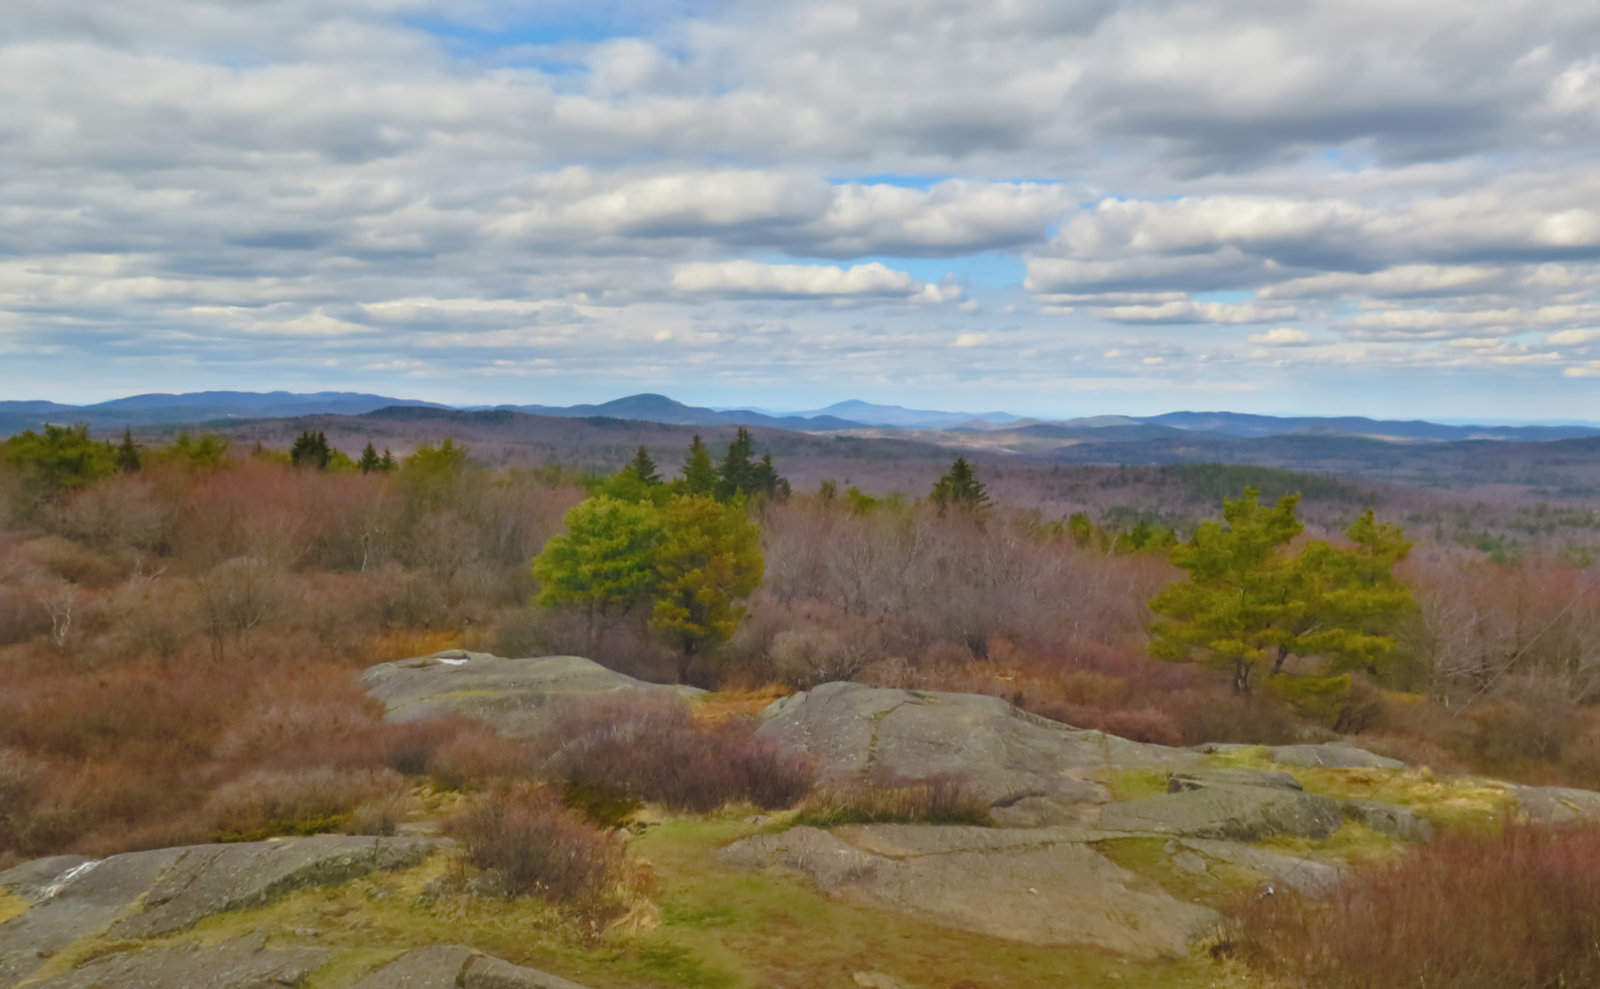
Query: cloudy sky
[(1052, 207)]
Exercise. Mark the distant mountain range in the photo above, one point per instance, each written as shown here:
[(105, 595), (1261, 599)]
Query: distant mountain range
[(196, 408)]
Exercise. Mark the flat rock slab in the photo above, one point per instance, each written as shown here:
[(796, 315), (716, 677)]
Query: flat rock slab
[(1312, 877), (151, 894), (1044, 886), (513, 695), (452, 966), (1557, 804), (1007, 756), (212, 879), (1194, 779), (1331, 755), (1234, 813), (81, 900), (242, 964)]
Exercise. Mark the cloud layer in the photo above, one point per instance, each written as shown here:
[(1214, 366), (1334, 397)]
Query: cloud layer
[(1129, 205)]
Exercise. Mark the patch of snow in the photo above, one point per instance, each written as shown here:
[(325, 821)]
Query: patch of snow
[(453, 662), (53, 890)]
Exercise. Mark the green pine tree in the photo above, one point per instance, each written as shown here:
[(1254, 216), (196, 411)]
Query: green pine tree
[(603, 564), (369, 461), (708, 562), (736, 472), (643, 468), (128, 453), (960, 488), (699, 476), (310, 450), (388, 464), (1248, 601)]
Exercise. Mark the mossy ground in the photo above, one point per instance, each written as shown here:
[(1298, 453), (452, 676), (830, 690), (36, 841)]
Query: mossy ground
[(11, 906), (1448, 801)]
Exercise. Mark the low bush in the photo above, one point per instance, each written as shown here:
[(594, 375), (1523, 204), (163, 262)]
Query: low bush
[(943, 798), (656, 751), (302, 801), (1515, 910), (477, 753), (527, 844)]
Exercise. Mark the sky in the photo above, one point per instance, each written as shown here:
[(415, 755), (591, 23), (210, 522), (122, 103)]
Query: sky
[(1048, 207)]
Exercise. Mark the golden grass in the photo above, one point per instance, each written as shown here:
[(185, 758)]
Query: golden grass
[(723, 705)]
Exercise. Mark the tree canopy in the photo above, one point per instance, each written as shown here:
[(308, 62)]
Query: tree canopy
[(1247, 600), (688, 561), (708, 562)]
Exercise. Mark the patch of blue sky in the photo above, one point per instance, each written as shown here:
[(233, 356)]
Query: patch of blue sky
[(1224, 296), (923, 182), (487, 37), (547, 23), (986, 269)]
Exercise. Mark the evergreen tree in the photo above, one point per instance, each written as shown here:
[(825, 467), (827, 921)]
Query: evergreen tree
[(1248, 601), (736, 472), (699, 476), (765, 479), (369, 461), (388, 463), (128, 453), (643, 468), (605, 562), (310, 450), (708, 562), (961, 488)]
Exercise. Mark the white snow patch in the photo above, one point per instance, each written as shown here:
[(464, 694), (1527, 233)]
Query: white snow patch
[(53, 890), (454, 662)]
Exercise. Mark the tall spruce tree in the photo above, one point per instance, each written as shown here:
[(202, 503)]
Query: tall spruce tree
[(643, 468), (699, 476), (369, 461), (960, 488), (736, 472), (128, 453)]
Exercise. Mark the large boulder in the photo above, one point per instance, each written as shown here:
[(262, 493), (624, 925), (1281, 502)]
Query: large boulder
[(1043, 886), (513, 695), (1234, 813), (161, 892), (1008, 757)]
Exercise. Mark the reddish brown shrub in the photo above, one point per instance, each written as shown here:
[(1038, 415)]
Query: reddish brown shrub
[(528, 844), (942, 798), (268, 801), (1517, 910), (477, 753), (656, 751)]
